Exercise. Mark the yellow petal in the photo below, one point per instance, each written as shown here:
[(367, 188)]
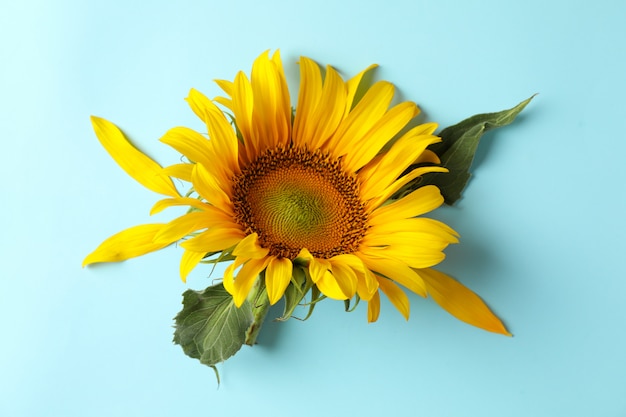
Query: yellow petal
[(226, 102), (329, 286), (387, 192), (224, 141), (243, 105), (325, 281), (286, 97), (405, 151), (188, 262), (308, 97), (328, 112), (182, 226), (223, 144), (362, 118), (199, 149), (249, 248), (347, 259), (424, 129), (240, 286), (229, 280), (420, 201), (129, 243), (214, 240), (373, 308), (227, 86), (190, 143), (346, 279), (353, 276), (401, 238), (460, 301), (304, 254), (277, 278), (317, 268), (320, 118), (413, 256), (180, 171), (395, 270), (136, 164), (197, 101), (272, 111), (205, 184), (428, 156), (432, 227), (179, 201), (364, 148), (397, 297), (353, 86), (367, 285)]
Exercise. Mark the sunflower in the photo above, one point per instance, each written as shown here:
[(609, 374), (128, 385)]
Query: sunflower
[(273, 190)]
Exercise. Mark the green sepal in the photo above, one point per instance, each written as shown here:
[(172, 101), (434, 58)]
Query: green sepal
[(457, 150), (347, 304), (316, 296), (295, 292), (260, 304), (210, 327)]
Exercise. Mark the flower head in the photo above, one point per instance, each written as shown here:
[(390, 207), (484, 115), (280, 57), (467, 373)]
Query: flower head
[(273, 190)]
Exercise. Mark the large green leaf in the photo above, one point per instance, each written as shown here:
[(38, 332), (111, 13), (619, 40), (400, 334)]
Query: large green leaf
[(210, 327), (458, 147)]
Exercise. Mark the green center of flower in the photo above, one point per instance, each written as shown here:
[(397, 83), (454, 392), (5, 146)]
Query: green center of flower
[(294, 199)]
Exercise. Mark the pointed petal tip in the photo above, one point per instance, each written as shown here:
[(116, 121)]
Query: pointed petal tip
[(238, 298), (96, 258), (91, 259), (238, 301), (370, 67), (461, 302), (192, 90)]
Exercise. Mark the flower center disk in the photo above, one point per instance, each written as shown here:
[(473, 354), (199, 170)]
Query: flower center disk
[(295, 198)]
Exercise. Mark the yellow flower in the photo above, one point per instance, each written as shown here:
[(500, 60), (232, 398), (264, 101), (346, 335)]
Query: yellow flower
[(279, 191)]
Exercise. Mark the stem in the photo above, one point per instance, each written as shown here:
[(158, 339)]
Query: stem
[(260, 307)]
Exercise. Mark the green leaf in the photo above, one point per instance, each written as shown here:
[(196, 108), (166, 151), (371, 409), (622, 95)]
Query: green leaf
[(458, 147), (210, 327)]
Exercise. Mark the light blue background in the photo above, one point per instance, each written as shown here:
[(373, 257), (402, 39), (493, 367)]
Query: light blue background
[(542, 222)]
